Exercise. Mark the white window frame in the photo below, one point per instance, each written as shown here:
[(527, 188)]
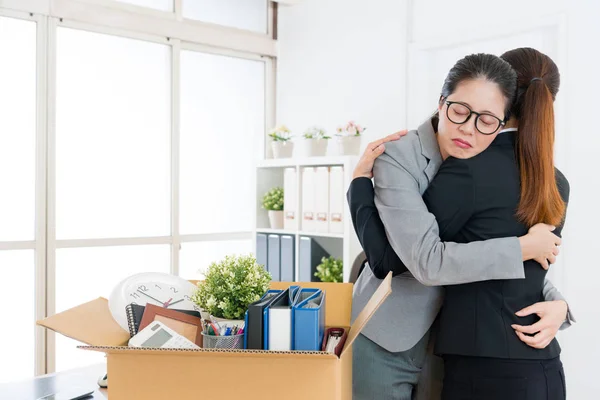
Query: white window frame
[(129, 21)]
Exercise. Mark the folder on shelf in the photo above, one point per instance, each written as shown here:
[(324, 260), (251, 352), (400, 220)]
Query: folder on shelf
[(274, 257), (308, 199), (290, 200), (262, 249), (310, 254), (254, 321), (321, 192), (336, 200), (309, 320), (287, 267), (278, 321)]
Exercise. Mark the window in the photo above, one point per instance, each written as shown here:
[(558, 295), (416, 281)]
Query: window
[(222, 117), (242, 14), (84, 274), (162, 5), (195, 258), (113, 129), (18, 299), (17, 128)]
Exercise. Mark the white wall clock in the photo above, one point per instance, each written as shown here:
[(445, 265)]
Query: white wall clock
[(156, 288)]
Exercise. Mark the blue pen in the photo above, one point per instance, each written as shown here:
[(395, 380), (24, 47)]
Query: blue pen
[(228, 331)]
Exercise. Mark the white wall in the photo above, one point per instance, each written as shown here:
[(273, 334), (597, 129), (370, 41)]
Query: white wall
[(341, 60), (320, 81)]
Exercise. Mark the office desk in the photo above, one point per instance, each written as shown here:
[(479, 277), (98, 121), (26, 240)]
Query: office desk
[(47, 384)]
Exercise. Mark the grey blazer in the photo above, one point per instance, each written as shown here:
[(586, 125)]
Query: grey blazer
[(402, 174)]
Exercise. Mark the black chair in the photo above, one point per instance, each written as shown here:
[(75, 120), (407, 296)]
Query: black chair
[(357, 266)]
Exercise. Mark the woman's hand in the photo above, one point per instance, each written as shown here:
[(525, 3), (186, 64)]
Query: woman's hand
[(373, 150), (552, 315), (540, 244)]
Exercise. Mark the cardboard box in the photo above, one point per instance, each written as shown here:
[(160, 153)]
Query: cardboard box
[(159, 374)]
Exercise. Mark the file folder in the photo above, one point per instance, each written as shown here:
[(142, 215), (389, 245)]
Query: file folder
[(261, 249), (310, 254), (321, 193), (274, 257), (278, 321), (309, 320), (287, 266), (308, 199), (290, 200), (336, 200), (254, 321)]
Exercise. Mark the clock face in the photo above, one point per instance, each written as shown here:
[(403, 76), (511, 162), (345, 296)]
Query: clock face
[(156, 288)]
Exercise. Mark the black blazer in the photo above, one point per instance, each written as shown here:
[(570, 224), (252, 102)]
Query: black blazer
[(472, 200)]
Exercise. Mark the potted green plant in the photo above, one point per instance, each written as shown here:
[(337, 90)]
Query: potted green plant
[(314, 142), (272, 201), (230, 285), (281, 144), (330, 270), (348, 138)]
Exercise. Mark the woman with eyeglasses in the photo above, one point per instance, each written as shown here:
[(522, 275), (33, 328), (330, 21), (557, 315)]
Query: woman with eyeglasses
[(493, 186)]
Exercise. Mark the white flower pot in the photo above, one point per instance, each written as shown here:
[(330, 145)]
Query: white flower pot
[(276, 219), (282, 149), (311, 147), (348, 145)]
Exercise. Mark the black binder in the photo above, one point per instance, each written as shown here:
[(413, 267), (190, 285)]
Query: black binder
[(254, 326)]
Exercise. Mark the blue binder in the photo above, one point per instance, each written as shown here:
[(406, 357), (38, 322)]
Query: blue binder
[(286, 298), (309, 320)]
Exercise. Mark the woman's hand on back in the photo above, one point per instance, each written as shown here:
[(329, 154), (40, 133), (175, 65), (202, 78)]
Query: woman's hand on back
[(540, 244), (364, 168)]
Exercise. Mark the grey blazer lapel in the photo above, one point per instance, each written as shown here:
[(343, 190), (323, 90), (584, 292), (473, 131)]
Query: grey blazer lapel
[(430, 148)]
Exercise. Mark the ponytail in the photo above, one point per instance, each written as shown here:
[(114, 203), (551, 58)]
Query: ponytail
[(540, 199)]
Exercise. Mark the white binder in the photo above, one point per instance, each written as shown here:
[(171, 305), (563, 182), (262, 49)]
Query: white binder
[(290, 207), (321, 190), (308, 199), (336, 200)]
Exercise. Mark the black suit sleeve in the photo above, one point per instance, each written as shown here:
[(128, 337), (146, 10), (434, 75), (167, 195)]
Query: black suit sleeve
[(450, 197), (370, 230)]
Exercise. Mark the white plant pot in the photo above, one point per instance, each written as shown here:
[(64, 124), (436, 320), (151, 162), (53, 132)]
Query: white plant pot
[(348, 145), (312, 147), (276, 219), (282, 149)]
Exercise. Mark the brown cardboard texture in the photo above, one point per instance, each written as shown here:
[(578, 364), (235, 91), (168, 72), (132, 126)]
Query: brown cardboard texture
[(158, 374)]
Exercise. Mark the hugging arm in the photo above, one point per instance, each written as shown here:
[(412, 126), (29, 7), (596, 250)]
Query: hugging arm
[(413, 233)]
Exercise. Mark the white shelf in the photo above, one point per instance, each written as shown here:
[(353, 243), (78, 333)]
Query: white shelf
[(270, 173), (308, 161), (301, 233)]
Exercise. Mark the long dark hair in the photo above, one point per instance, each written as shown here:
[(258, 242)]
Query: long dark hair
[(538, 81), (481, 66)]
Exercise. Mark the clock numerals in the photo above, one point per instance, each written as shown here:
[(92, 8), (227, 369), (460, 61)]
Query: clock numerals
[(174, 290), (143, 288), (135, 295), (157, 286), (187, 297)]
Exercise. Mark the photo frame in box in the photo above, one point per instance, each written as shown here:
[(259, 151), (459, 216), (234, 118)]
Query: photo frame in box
[(186, 325)]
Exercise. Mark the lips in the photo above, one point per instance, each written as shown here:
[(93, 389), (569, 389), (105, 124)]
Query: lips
[(462, 144)]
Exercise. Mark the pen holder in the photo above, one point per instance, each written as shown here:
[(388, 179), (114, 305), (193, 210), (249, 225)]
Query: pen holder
[(222, 342)]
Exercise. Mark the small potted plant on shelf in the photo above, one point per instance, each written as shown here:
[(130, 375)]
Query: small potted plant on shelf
[(314, 143), (273, 202), (281, 144), (330, 270), (230, 285), (348, 138)]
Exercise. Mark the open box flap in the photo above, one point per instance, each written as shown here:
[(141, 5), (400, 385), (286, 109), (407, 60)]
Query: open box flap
[(90, 323), (382, 292)]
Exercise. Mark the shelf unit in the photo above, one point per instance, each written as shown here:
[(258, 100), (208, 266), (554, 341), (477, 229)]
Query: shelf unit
[(269, 173)]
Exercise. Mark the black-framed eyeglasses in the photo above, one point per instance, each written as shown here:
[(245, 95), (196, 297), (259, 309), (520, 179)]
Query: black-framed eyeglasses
[(459, 113)]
